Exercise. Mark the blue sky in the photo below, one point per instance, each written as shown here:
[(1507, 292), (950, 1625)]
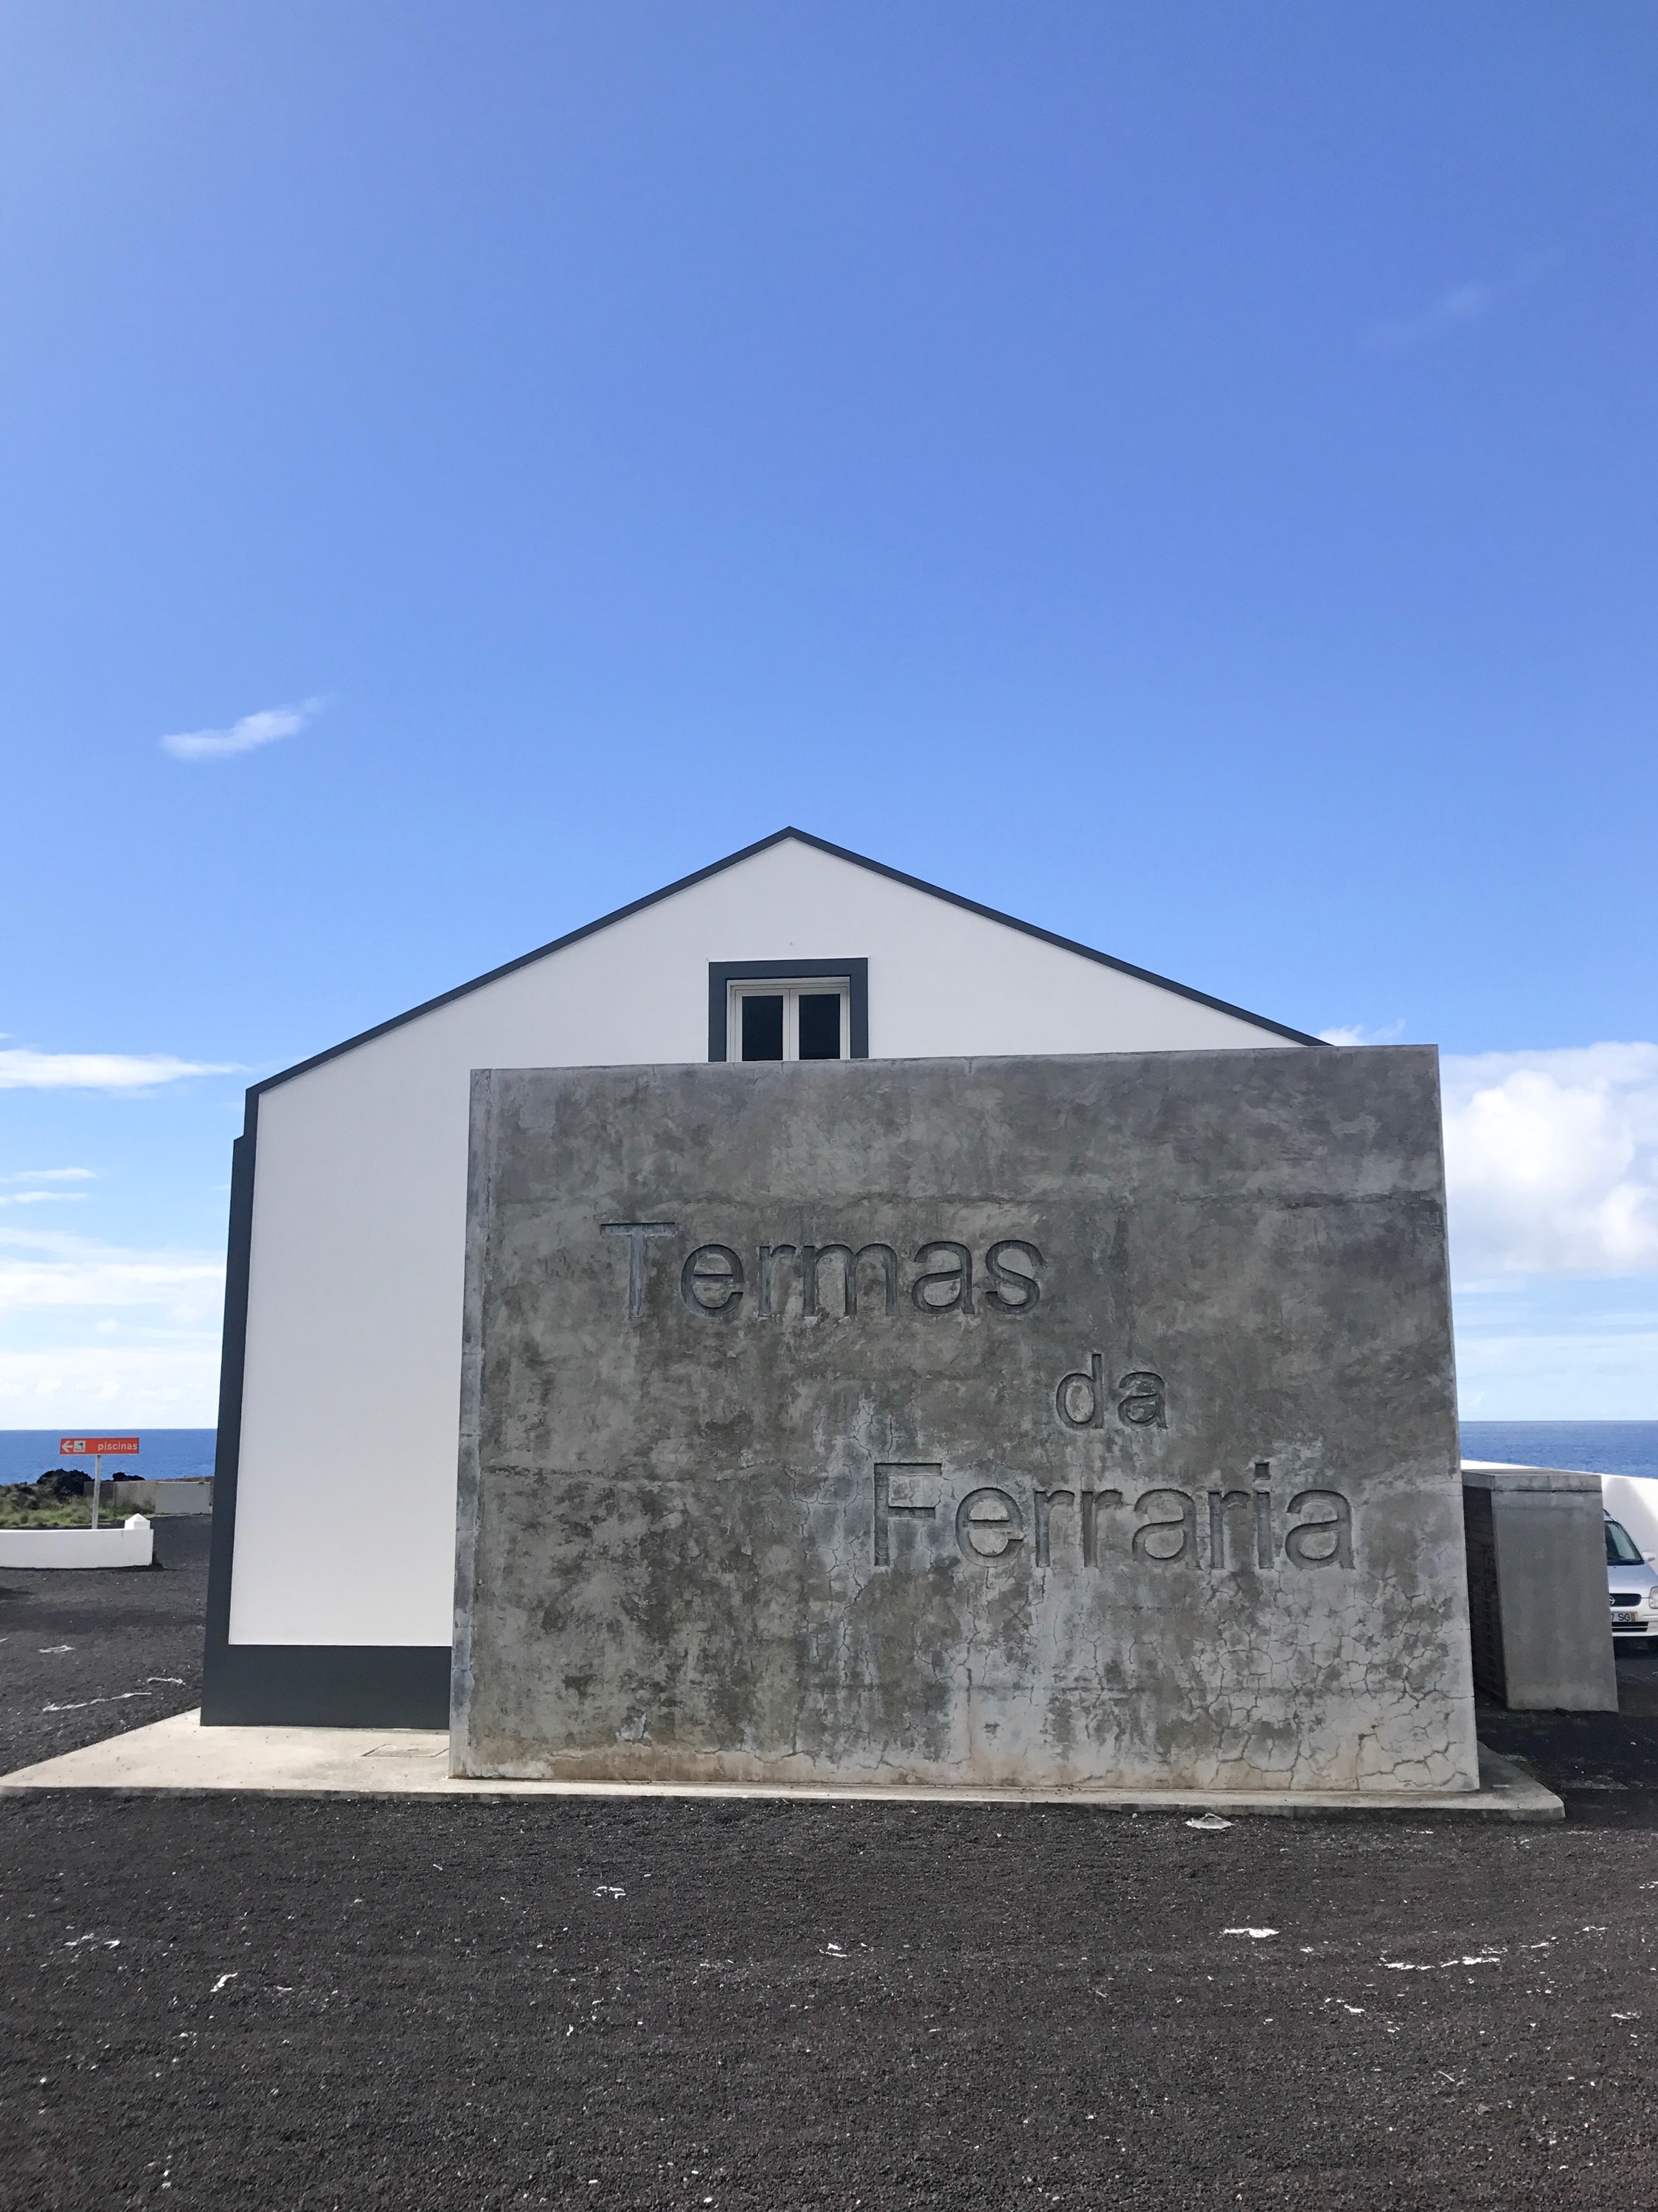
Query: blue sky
[(1183, 475)]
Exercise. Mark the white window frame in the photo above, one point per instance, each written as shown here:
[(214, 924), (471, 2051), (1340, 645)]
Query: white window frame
[(791, 989)]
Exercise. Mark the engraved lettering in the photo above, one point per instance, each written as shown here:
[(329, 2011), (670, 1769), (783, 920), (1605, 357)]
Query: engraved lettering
[(1186, 1522), (958, 1279), (886, 1504), (1080, 1399), (1012, 1290), (887, 1260), (1141, 1400), (812, 1257), (711, 1281), (944, 1285), (636, 1233), (1045, 1500), (1090, 1503), (1338, 1528), (1218, 1502), (1263, 1513), (769, 1256), (1001, 1518)]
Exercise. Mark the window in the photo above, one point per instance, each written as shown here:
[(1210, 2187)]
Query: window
[(1621, 1550), (778, 1010), (807, 1020)]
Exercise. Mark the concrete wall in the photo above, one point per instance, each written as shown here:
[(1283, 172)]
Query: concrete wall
[(353, 1373), (1537, 1577), (180, 1494), (1145, 1475)]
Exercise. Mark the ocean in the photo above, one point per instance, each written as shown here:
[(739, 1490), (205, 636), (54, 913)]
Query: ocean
[(1597, 1446), (165, 1454)]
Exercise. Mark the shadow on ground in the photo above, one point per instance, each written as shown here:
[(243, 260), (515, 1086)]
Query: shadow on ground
[(1603, 1764)]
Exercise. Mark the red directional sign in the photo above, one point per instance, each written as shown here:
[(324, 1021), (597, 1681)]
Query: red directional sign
[(92, 1447)]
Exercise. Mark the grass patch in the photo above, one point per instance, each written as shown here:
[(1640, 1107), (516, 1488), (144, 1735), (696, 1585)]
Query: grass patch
[(69, 1514)]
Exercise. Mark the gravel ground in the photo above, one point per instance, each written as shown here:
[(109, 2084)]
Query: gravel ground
[(83, 1656), (227, 2001)]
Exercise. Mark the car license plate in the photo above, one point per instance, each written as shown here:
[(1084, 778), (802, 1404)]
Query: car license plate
[(1619, 1617)]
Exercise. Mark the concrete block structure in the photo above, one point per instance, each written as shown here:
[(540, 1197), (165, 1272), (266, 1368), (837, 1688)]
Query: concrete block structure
[(1030, 1422), (175, 1495), (1537, 1587)]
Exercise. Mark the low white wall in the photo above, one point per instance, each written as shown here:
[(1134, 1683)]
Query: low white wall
[(130, 1544)]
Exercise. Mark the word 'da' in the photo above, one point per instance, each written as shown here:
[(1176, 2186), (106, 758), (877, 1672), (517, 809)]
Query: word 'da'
[(1082, 1400), (1161, 1525), (837, 1281)]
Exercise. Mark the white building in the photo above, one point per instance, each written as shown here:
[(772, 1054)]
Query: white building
[(333, 1539)]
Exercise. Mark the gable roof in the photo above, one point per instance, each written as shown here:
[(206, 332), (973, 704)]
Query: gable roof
[(731, 859)]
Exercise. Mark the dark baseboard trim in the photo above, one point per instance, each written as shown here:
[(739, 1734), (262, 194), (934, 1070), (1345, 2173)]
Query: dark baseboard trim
[(327, 1686)]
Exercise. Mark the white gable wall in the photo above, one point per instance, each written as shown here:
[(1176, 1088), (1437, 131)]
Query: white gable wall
[(346, 1495)]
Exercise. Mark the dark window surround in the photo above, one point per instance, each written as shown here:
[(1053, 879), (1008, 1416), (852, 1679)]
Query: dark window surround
[(723, 974)]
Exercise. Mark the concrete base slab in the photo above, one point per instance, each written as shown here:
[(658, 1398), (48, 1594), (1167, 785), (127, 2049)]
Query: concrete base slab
[(181, 1756)]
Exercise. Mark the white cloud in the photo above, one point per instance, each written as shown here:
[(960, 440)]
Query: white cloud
[(1460, 306), (89, 1331), (1552, 1174), (42, 1270), (1567, 1376), (243, 737), (1354, 1035), (1552, 1161), (35, 1196), (23, 1070), (169, 1385)]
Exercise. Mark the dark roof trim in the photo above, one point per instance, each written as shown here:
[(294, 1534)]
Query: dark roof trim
[(717, 867)]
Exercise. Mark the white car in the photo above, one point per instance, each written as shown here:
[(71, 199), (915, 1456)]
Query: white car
[(1631, 1584)]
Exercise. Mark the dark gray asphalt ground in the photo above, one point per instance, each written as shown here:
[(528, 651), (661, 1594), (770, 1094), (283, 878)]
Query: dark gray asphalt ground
[(83, 1656), (233, 2002)]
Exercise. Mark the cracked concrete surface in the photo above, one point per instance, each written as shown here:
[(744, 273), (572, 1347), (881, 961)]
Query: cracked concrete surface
[(677, 1562)]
